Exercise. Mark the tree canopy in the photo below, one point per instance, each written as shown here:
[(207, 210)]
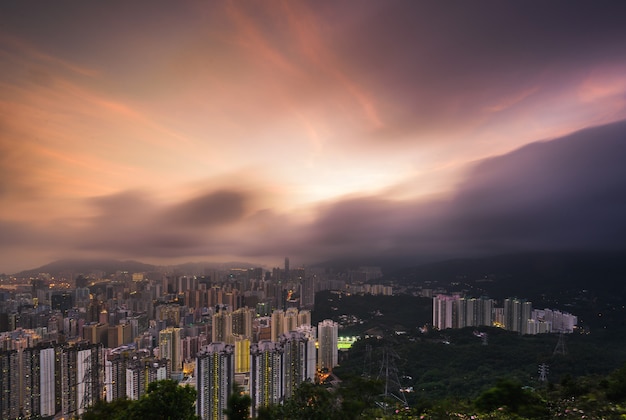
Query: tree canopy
[(164, 400)]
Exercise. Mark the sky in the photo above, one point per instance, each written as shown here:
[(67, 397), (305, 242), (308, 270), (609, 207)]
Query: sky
[(366, 131)]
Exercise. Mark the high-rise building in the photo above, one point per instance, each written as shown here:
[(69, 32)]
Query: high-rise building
[(517, 312), (242, 354), (290, 320), (278, 324), (559, 321), (327, 332), (116, 365), (190, 346), (307, 292), (222, 327), (38, 381), (47, 380), (266, 374), (119, 335), (9, 384), (287, 274), (304, 318), (443, 311), (263, 309), (454, 311), (527, 311), (142, 372), (242, 322), (214, 374), (170, 348), (298, 358)]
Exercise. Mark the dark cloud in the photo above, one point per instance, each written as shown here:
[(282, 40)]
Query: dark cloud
[(565, 194), (219, 207), (433, 65), (133, 223)]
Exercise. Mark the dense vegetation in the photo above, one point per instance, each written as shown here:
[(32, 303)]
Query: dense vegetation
[(456, 362), (453, 374), (164, 400), (378, 314), (591, 397), (589, 285)]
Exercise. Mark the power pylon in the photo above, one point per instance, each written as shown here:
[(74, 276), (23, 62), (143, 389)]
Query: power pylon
[(389, 373), (543, 372), (560, 345)]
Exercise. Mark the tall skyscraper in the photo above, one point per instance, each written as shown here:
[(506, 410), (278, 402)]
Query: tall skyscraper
[(214, 374), (298, 358), (516, 315), (242, 322), (287, 274), (170, 347), (327, 332), (290, 320), (304, 318), (307, 292), (527, 310), (47, 382), (38, 381), (278, 324), (9, 384), (443, 311), (266, 374), (116, 366), (142, 372), (242, 354), (457, 312), (222, 327)]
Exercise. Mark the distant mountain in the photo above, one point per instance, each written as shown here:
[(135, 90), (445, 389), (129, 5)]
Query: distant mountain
[(88, 265), (110, 266)]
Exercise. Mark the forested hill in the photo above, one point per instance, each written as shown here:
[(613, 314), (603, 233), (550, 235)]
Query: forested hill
[(525, 274)]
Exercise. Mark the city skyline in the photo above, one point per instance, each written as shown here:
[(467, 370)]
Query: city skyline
[(322, 131)]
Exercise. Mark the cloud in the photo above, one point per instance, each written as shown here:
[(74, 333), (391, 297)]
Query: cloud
[(104, 132), (564, 194), (215, 208)]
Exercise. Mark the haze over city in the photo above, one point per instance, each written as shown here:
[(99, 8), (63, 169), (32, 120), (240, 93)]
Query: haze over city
[(369, 131)]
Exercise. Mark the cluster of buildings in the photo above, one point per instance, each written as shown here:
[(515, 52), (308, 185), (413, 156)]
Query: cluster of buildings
[(64, 348), (456, 311)]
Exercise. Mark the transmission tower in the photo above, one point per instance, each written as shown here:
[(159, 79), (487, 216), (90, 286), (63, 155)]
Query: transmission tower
[(560, 345), (543, 372), (87, 382), (367, 361), (389, 373), (483, 336)]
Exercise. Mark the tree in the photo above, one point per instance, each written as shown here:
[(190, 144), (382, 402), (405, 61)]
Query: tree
[(165, 400), (311, 401), (114, 410), (359, 395), (238, 404), (511, 395), (616, 385)]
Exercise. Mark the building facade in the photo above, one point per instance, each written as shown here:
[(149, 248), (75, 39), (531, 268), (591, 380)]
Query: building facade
[(266, 374), (214, 372), (327, 355)]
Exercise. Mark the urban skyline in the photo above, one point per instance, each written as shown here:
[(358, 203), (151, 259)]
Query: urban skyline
[(390, 131)]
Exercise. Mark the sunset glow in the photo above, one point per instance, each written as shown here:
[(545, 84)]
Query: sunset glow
[(165, 131)]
